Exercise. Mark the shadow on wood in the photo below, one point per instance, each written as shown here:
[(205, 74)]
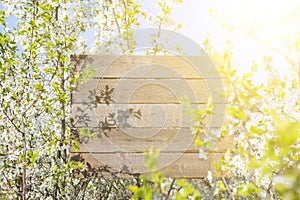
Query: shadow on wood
[(132, 103)]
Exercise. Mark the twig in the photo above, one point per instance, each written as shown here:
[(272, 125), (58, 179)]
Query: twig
[(170, 189), (224, 181)]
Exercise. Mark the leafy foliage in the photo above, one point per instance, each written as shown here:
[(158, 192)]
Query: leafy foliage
[(37, 78), (37, 75)]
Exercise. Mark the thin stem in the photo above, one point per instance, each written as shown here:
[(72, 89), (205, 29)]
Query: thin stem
[(224, 181), (170, 189)]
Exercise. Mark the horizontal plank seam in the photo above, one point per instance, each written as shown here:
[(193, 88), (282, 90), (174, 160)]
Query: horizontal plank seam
[(147, 127), (146, 103), (142, 102), (142, 152), (154, 78)]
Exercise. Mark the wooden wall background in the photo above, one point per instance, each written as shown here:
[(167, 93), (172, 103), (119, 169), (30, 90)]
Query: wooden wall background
[(132, 104)]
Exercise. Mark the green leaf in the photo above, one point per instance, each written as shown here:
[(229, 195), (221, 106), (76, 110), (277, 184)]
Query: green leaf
[(231, 111), (257, 130), (134, 189), (241, 115), (151, 159)]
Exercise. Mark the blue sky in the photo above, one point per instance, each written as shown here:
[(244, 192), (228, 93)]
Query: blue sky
[(191, 14), (11, 21)]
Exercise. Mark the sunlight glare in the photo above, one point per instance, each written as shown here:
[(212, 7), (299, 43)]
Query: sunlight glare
[(260, 27)]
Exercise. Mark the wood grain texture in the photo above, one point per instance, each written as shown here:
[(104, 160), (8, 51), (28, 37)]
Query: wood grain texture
[(132, 103), (176, 165), (137, 140), (114, 66), (151, 115), (151, 91)]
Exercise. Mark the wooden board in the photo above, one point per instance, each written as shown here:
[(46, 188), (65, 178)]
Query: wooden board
[(176, 165), (151, 115), (137, 140), (168, 67), (150, 91), (132, 104)]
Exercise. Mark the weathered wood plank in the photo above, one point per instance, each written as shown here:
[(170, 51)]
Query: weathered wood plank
[(141, 115), (132, 104), (176, 165), (150, 91), (114, 66), (140, 140)]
